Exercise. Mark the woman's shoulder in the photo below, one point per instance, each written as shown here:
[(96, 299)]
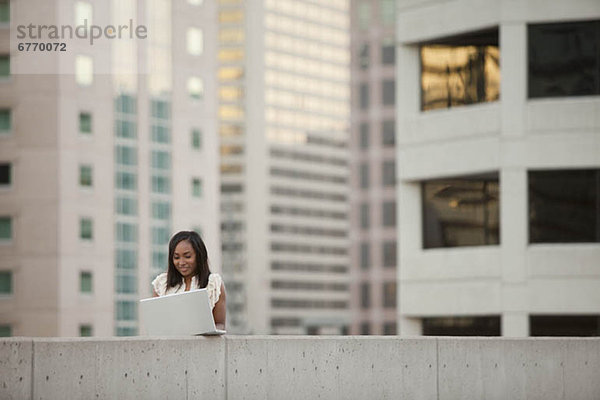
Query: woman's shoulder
[(214, 277), (159, 283)]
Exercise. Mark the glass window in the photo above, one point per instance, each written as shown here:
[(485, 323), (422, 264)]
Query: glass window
[(85, 330), (389, 254), (364, 14), (125, 104), (196, 187), (83, 13), (85, 122), (563, 59), (159, 259), (126, 259), (364, 96), (161, 184), (365, 295), (231, 16), (365, 328), (5, 11), (86, 228), (126, 155), (461, 70), (126, 232), (5, 228), (363, 56), (160, 235), (126, 331), (364, 135), (5, 330), (6, 282), (461, 326), (388, 213), (388, 92), (126, 180), (364, 216), (126, 206), (564, 206), (195, 41), (4, 65), (160, 109), (564, 325), (461, 211), (389, 294), (161, 210), (388, 173), (85, 176), (84, 70), (364, 175), (196, 139), (389, 328), (388, 133), (161, 134), (387, 9), (5, 120), (126, 310), (365, 255), (85, 282), (126, 284), (161, 159), (388, 53), (5, 174), (125, 129), (195, 87)]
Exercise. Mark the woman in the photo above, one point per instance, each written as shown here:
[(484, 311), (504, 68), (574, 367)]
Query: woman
[(188, 269)]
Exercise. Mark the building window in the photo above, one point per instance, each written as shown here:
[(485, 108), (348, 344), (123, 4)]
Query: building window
[(161, 210), (564, 325), (126, 232), (6, 282), (364, 216), (564, 206), (388, 52), (460, 70), (5, 121), (364, 96), (6, 229), (4, 11), (84, 70), (125, 104), (388, 173), (126, 180), (196, 139), (364, 135), (85, 176), (195, 88), (86, 228), (389, 294), (195, 41), (125, 129), (388, 213), (126, 259), (365, 328), (5, 330), (126, 331), (563, 59), (4, 65), (85, 123), (126, 310), (161, 159), (461, 326), (126, 206), (85, 282), (126, 155), (364, 14), (387, 9), (5, 174), (461, 211), (363, 56), (365, 255), (196, 187), (389, 254), (389, 328), (364, 175), (126, 284), (161, 134), (160, 109), (365, 295), (161, 184), (388, 133), (388, 92), (160, 236), (85, 330)]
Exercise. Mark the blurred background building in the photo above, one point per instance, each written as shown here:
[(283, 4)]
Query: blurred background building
[(373, 166), (499, 167)]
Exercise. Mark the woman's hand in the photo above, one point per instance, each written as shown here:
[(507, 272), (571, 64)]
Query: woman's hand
[(220, 309)]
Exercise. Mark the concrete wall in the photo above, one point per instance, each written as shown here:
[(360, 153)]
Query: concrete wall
[(260, 367)]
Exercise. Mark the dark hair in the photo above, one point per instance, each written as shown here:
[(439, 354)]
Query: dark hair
[(202, 271)]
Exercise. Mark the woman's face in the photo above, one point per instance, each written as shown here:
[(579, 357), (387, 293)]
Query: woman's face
[(184, 259)]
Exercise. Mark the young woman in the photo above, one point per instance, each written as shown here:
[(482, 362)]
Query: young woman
[(188, 270)]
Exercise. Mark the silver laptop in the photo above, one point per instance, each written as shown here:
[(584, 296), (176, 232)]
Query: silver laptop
[(180, 314)]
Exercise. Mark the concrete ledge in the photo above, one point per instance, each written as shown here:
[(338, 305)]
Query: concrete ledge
[(285, 367)]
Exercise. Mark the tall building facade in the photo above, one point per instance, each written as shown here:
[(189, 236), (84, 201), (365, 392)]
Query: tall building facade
[(283, 123), (103, 155), (373, 166), (499, 167)]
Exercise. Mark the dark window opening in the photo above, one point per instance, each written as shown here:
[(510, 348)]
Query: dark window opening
[(461, 326), (564, 325)]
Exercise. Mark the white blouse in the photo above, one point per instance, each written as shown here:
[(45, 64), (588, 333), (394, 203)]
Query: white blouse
[(214, 287)]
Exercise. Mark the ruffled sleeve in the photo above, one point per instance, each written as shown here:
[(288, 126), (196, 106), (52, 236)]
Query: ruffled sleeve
[(214, 288), (159, 284)]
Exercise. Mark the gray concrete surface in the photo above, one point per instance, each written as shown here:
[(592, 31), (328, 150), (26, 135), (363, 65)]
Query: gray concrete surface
[(287, 367)]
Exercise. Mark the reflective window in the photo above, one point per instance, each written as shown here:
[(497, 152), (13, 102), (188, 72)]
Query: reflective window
[(388, 133), (231, 16), (389, 254), (126, 259), (387, 9), (364, 135), (460, 70), (86, 228), (85, 176), (564, 206), (126, 232), (5, 330), (5, 11), (388, 53), (126, 284), (364, 216), (195, 88), (126, 155), (126, 331), (563, 59), (126, 180), (161, 134), (5, 121), (461, 211), (125, 129), (84, 70), (196, 139), (389, 294), (230, 54), (196, 187), (85, 282), (127, 310), (125, 104), (564, 325), (6, 282), (5, 174), (160, 109), (388, 173), (388, 214), (364, 14), (195, 41), (161, 210), (388, 92), (160, 235), (365, 255), (125, 206), (85, 122), (461, 326), (364, 96), (364, 175), (85, 330), (161, 184), (161, 159)]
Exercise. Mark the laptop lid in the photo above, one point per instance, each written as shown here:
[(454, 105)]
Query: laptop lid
[(180, 314)]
